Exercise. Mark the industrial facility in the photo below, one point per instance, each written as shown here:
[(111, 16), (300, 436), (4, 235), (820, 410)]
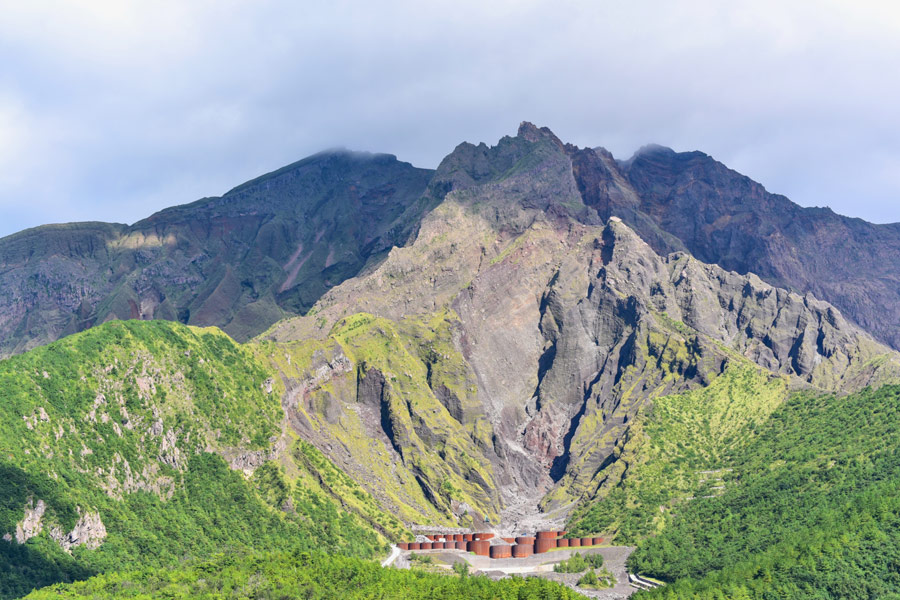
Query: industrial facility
[(486, 544)]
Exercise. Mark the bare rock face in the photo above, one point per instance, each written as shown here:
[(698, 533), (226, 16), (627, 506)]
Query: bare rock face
[(88, 531), (32, 524)]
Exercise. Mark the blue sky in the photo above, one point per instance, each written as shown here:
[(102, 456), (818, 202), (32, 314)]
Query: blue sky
[(110, 110)]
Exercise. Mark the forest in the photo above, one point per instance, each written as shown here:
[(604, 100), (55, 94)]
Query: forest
[(810, 510)]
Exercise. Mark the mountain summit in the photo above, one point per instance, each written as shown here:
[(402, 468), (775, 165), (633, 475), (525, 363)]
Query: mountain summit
[(271, 247)]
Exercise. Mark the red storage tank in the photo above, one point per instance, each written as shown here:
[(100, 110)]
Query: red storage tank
[(546, 535), (438, 545), (480, 547), (483, 536), (562, 533), (509, 540), (574, 542), (522, 550), (431, 537), (403, 545), (501, 551), (524, 539), (415, 546), (587, 541), (468, 537), (458, 537), (426, 545), (562, 543), (544, 545), (461, 545), (598, 541)]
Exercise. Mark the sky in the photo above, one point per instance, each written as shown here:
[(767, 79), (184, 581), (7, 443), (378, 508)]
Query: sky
[(113, 109)]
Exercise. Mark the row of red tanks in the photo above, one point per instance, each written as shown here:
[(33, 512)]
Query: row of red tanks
[(517, 547)]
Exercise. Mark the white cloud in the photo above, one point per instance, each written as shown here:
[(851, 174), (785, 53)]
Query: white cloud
[(137, 105)]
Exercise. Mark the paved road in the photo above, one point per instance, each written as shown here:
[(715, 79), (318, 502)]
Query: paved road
[(395, 552)]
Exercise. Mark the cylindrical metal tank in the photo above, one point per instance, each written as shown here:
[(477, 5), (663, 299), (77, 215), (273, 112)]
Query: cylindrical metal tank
[(509, 540), (415, 546), (525, 539), (598, 541), (546, 535), (501, 551), (458, 537), (574, 542), (483, 536), (461, 545), (562, 543), (426, 545), (544, 545), (437, 545), (522, 550), (587, 541), (479, 547), (562, 533), (468, 537), (403, 545)]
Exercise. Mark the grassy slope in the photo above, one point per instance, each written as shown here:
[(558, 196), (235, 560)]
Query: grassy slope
[(811, 510), (131, 420)]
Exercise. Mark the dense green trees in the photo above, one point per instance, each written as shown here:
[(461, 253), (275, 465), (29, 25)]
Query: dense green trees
[(301, 575), (811, 510), (133, 421)]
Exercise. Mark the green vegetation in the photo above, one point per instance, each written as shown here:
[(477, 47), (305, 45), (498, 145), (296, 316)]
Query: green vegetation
[(461, 568), (579, 563), (811, 510), (407, 380), (302, 575), (135, 423), (597, 581), (679, 449)]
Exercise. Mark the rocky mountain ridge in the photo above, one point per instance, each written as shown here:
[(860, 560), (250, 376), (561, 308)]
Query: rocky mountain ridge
[(266, 249), (567, 326), (271, 247)]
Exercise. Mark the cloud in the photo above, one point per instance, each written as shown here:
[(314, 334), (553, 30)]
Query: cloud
[(109, 110)]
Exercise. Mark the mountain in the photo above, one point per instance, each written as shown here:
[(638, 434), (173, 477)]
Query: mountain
[(271, 247), (267, 249), (497, 349), (689, 202), (546, 332)]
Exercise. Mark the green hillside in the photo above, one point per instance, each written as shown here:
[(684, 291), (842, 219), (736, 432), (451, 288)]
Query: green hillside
[(139, 444), (302, 575), (680, 448), (811, 509)]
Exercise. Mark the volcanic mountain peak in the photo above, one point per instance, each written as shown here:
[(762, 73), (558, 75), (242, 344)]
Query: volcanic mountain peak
[(568, 328), (271, 247)]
